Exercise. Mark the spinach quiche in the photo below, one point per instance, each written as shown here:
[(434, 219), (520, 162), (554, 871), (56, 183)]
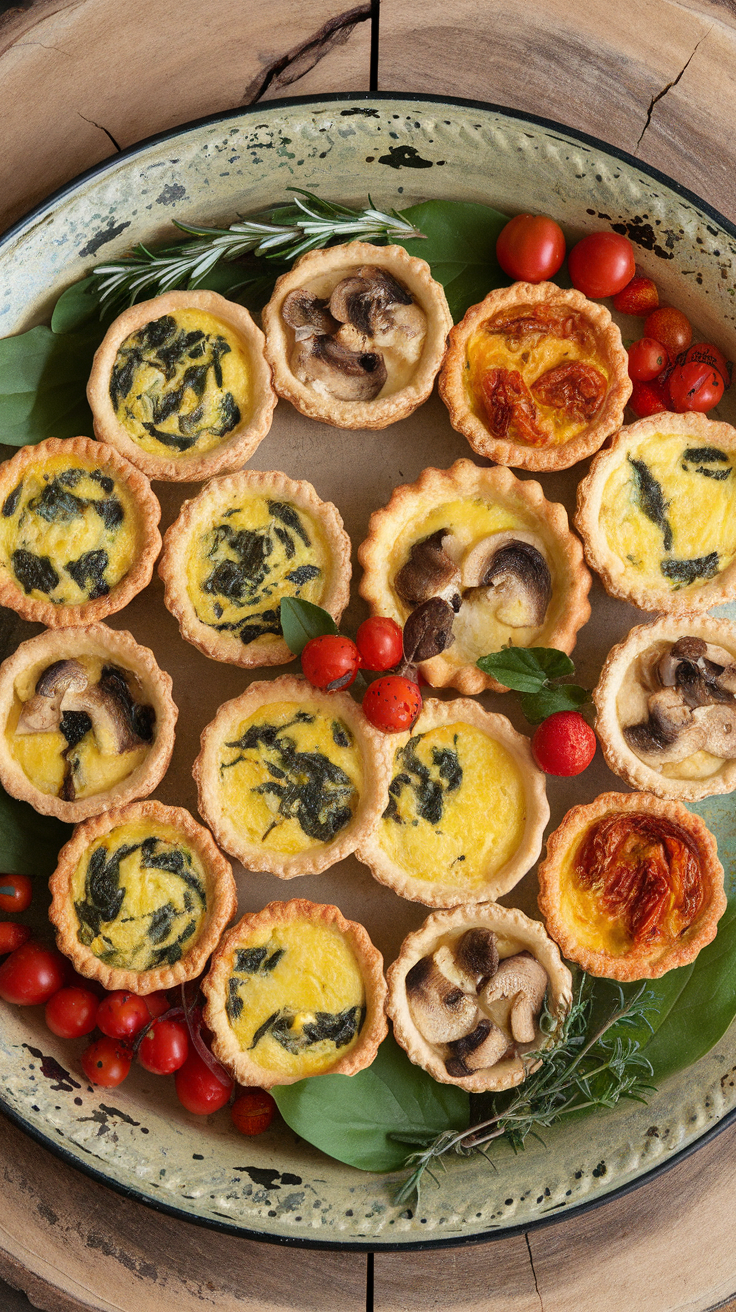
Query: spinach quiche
[(140, 897), (356, 333), (466, 810), (467, 992), (87, 721), (245, 542), (291, 779), (657, 513), (482, 560), (536, 377), (292, 991), (180, 386), (78, 532), (631, 886)]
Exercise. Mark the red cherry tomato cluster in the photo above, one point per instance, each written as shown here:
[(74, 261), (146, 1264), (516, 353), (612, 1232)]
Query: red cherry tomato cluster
[(391, 703)]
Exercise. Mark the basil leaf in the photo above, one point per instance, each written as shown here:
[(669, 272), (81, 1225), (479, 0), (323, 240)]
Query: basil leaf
[(352, 1117), (29, 842), (75, 306), (302, 620), (43, 376), (460, 248), (537, 706), (526, 669)]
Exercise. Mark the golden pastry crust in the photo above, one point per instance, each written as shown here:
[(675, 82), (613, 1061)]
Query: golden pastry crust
[(666, 440), (515, 933), (98, 641), (200, 515), (511, 501), (437, 893), (225, 1044), (366, 745), (128, 480), (640, 960), (324, 269), (620, 700), (242, 440), (221, 897), (454, 388)]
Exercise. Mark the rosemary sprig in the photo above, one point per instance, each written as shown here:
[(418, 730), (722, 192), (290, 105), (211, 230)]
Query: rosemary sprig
[(576, 1071), (281, 233)]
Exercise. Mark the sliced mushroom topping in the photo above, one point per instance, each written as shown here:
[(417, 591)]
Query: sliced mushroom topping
[(365, 301), (477, 951), (522, 979), (704, 672), (42, 712), (111, 723), (440, 1010), (428, 630), (307, 314), (483, 1047), (694, 710), (513, 565), (429, 572), (347, 375), (455, 971)]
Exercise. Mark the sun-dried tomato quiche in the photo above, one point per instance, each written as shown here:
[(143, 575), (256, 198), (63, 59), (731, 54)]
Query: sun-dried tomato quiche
[(475, 560), (295, 990), (141, 896), (248, 540), (535, 377), (78, 532), (356, 333), (181, 387), (631, 886), (657, 513)]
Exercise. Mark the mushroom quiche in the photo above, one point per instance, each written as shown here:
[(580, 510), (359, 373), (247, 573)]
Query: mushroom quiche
[(666, 703), (88, 721), (536, 377), (245, 542), (295, 990), (356, 334), (291, 779), (78, 531), (467, 991), (181, 387), (480, 560), (631, 886), (466, 810), (141, 896), (657, 513)]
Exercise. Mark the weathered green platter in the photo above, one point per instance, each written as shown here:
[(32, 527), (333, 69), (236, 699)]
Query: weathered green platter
[(400, 150)]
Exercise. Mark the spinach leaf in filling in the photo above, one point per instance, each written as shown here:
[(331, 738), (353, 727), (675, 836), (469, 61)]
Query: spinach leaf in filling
[(429, 784), (651, 499), (334, 1027), (706, 460), (683, 572), (34, 572)]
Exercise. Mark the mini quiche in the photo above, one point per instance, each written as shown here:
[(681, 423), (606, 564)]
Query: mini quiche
[(87, 721), (140, 897), (536, 377), (657, 513), (467, 991), (291, 779), (483, 561), (666, 703), (78, 532), (245, 542), (356, 334), (181, 387), (466, 810), (295, 990), (631, 886)]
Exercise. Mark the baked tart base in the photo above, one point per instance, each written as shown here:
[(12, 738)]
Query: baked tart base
[(302, 986)]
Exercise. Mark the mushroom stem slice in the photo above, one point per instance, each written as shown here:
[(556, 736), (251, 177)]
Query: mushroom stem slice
[(483, 1047), (440, 1010), (522, 979)]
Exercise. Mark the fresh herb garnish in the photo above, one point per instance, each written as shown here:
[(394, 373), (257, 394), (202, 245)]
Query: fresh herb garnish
[(301, 621), (531, 670)]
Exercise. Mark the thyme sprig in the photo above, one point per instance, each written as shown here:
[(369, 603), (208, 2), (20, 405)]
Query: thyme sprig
[(575, 1071), (280, 233)]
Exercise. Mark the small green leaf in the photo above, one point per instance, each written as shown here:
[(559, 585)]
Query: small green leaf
[(43, 377), (75, 306), (302, 620), (526, 669), (537, 706), (460, 248), (29, 842)]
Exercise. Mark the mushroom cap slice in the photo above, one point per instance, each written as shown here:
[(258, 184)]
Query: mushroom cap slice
[(42, 712), (477, 951), (522, 979), (428, 630), (483, 1047), (429, 571), (345, 374), (307, 314), (513, 565), (440, 1010), (111, 723)]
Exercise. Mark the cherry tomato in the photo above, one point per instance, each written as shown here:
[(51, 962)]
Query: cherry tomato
[(639, 297), (649, 398), (531, 248), (602, 264), (121, 1015), (380, 641), (157, 1003), (164, 1048), (564, 744), (330, 662), (695, 386), (12, 935), (647, 359), (199, 1089), (670, 327), (16, 892), (392, 703), (707, 353), (106, 1062), (72, 1012), (253, 1111), (31, 974)]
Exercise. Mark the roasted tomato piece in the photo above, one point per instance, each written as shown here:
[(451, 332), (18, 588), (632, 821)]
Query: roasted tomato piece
[(542, 321), (510, 404), (575, 387)]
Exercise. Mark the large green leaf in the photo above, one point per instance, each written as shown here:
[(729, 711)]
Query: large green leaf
[(460, 246), (43, 377), (29, 843)]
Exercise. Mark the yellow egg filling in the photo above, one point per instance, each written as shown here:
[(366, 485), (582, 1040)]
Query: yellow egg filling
[(592, 926)]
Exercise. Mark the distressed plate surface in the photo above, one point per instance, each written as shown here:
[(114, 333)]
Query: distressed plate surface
[(400, 150)]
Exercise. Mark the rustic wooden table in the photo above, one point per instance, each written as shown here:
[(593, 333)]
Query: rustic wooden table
[(81, 79)]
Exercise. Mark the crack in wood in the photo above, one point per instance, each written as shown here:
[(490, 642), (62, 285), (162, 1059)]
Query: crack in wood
[(656, 99), (101, 129), (534, 1274), (296, 63)]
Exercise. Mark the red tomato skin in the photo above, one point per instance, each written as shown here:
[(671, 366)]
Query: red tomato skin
[(122, 1015), (380, 642), (639, 297), (19, 899), (670, 327), (106, 1062), (157, 1003), (649, 398), (647, 359), (392, 703), (31, 974), (707, 353), (165, 1047), (252, 1111), (12, 936), (330, 662), (71, 1012), (199, 1089), (531, 248), (695, 386), (602, 264), (564, 744)]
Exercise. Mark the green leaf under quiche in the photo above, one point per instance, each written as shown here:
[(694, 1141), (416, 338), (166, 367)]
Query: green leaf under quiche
[(43, 379), (460, 247), (29, 842)]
